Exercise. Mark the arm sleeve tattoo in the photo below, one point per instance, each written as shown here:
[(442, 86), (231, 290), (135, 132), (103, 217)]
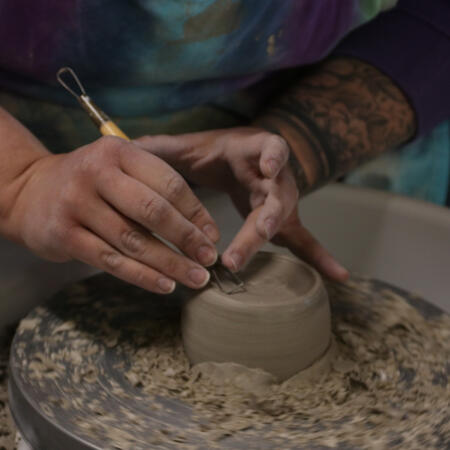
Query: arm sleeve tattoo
[(336, 117)]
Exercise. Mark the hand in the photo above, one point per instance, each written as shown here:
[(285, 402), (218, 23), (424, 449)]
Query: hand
[(102, 203), (251, 165)]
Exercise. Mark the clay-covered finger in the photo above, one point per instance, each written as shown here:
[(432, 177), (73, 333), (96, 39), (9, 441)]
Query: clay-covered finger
[(274, 155), (90, 249), (137, 202), (136, 243), (244, 245), (280, 201), (169, 184), (270, 218)]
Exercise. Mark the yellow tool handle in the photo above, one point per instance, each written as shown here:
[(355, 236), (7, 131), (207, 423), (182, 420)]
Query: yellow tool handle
[(104, 123), (109, 128)]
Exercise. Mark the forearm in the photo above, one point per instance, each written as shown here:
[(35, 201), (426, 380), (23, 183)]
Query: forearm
[(19, 149), (340, 115)]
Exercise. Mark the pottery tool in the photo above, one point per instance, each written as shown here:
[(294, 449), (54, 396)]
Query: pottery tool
[(101, 120), (227, 281)]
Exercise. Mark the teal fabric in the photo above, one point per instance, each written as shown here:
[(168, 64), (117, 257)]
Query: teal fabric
[(420, 169), (155, 57), (177, 66)]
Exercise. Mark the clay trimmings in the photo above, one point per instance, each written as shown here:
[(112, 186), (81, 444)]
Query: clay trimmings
[(388, 386), (389, 375)]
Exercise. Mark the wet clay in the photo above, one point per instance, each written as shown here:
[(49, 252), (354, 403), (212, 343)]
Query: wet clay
[(280, 323), (258, 381)]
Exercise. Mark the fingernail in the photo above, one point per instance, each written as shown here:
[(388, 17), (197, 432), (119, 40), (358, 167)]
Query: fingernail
[(269, 227), (166, 285), (206, 256), (211, 232), (236, 261), (199, 277)]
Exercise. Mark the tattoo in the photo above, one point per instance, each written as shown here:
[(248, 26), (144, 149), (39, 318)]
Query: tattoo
[(299, 174), (342, 113)]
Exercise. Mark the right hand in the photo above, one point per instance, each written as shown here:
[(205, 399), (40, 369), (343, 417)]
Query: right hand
[(101, 204)]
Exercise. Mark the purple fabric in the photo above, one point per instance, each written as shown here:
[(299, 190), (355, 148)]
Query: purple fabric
[(411, 44), (148, 57)]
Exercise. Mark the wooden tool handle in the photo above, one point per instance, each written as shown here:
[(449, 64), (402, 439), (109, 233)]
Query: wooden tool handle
[(109, 128)]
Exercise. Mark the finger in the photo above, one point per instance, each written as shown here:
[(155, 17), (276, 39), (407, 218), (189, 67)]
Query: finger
[(169, 148), (169, 184), (262, 223), (305, 246), (245, 244), (274, 156), (142, 205), (278, 205), (134, 242), (90, 249)]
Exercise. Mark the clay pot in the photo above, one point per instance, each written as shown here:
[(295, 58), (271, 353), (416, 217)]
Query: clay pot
[(280, 324)]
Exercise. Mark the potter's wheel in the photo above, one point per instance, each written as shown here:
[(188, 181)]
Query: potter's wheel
[(60, 406)]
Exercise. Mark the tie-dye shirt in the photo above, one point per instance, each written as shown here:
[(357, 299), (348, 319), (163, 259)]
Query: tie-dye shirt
[(152, 56), (185, 65)]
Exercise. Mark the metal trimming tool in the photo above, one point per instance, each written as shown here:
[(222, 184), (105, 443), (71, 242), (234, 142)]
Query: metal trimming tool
[(228, 282), (103, 122)]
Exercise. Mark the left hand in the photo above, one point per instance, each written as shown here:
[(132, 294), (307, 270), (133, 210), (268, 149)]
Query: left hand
[(251, 165)]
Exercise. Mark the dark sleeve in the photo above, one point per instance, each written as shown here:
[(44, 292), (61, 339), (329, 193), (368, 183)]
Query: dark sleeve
[(410, 44)]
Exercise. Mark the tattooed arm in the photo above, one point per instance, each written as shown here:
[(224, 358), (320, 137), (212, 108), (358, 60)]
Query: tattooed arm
[(341, 114)]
